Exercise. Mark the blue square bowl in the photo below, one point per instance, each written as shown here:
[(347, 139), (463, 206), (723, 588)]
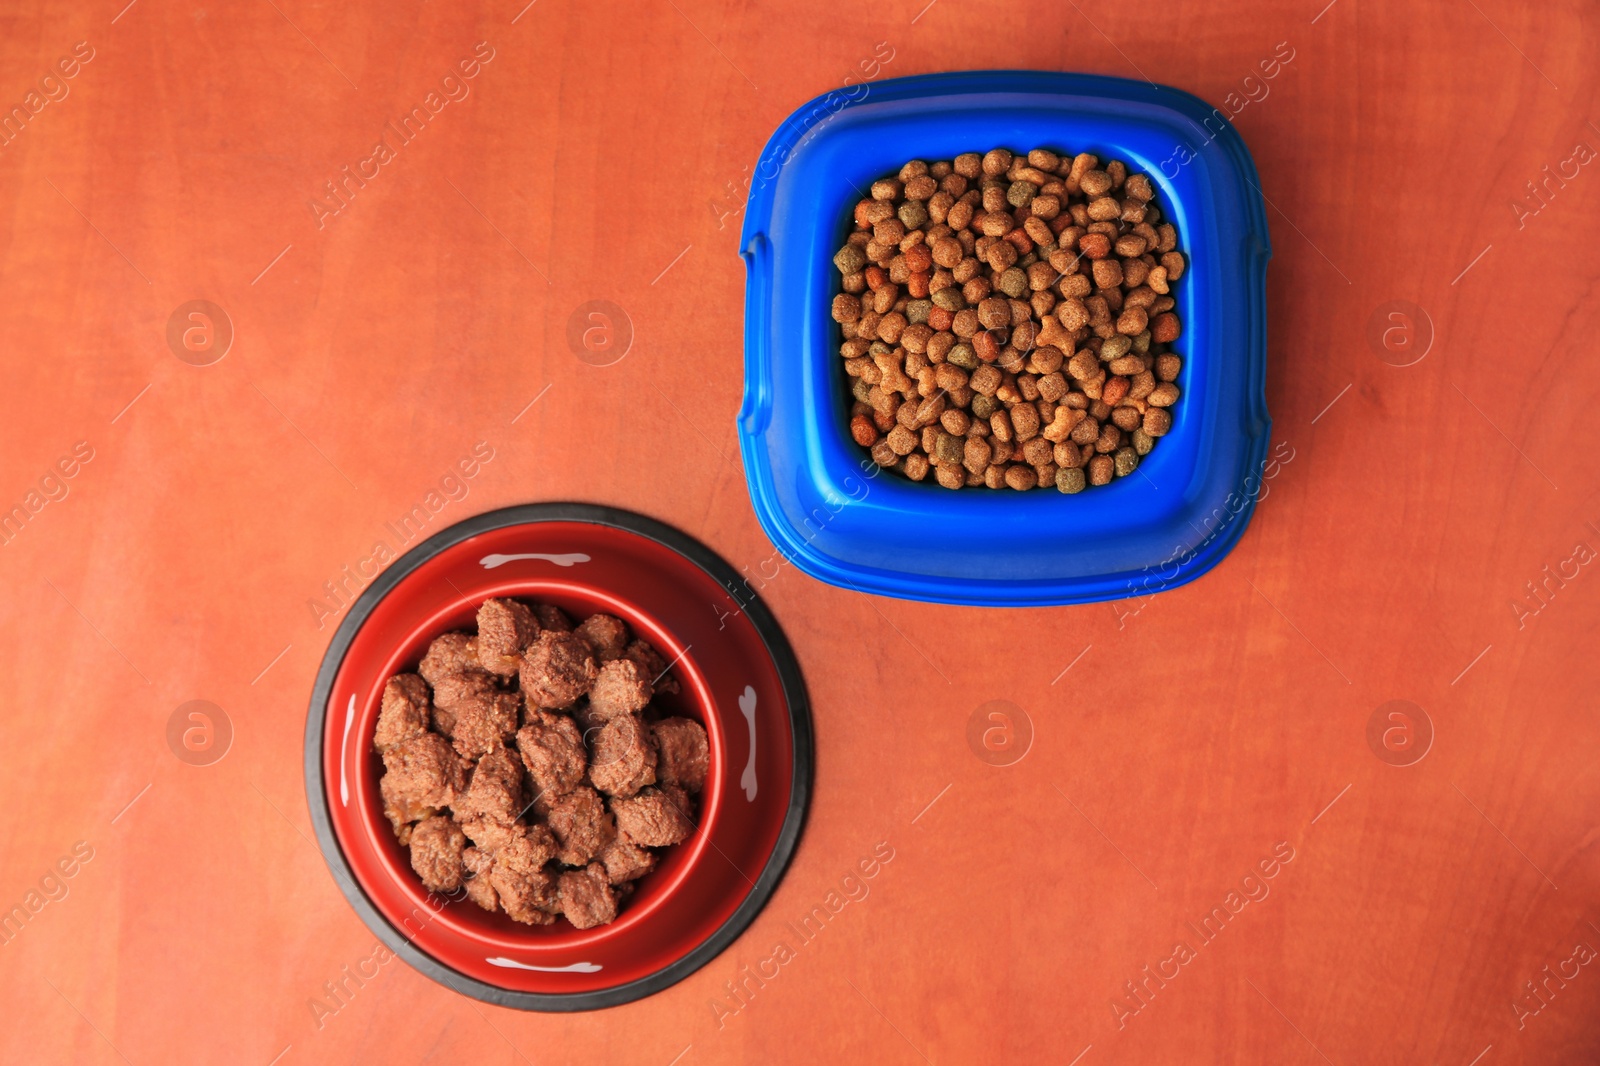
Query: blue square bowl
[(839, 518)]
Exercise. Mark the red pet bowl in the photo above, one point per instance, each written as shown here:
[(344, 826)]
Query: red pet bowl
[(738, 678)]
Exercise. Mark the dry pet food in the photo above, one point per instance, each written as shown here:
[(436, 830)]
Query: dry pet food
[(526, 767), (1008, 320)]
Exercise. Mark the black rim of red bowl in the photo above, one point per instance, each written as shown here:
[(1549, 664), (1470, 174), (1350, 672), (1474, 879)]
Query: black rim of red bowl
[(794, 690)]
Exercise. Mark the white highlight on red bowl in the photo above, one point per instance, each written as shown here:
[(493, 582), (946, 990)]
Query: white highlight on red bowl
[(489, 562), (747, 704), (513, 964), (344, 746)]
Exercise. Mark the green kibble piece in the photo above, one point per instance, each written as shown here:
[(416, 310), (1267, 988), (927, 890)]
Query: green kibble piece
[(1021, 193), (1141, 343), (963, 356), (984, 406), (1014, 282), (879, 348), (949, 448), (851, 259), (914, 214), (861, 390), (1115, 348), (950, 299), (1127, 461), (917, 311), (1143, 442), (1068, 481)]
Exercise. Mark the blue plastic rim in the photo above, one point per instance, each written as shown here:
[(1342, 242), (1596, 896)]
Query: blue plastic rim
[(841, 519)]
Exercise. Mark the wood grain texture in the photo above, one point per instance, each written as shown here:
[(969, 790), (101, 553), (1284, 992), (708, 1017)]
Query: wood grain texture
[(601, 155)]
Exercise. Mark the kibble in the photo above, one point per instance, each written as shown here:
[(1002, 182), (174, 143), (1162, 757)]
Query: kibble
[(1007, 320)]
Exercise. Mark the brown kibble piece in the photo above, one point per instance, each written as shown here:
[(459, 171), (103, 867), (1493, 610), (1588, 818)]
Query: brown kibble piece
[(1157, 422), (1020, 477), (1163, 395), (1101, 470), (1095, 245)]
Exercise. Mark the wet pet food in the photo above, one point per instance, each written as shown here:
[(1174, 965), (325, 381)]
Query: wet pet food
[(526, 766)]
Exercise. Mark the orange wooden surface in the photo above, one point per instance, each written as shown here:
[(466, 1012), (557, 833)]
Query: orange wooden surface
[(601, 154)]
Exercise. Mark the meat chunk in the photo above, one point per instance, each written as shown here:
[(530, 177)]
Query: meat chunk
[(505, 629), (405, 711), (495, 791), (588, 722), (557, 669), (423, 772), (452, 653), (484, 723), (478, 863), (620, 688), (607, 634), (553, 617), (525, 888), (444, 722), (623, 759), (402, 809), (552, 750), (683, 753), (436, 846), (586, 897), (481, 892), (489, 834), (626, 861), (582, 824), (527, 850), (452, 690), (653, 666), (656, 817), (531, 898)]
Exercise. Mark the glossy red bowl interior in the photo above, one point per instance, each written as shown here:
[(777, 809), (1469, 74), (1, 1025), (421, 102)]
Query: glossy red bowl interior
[(705, 889)]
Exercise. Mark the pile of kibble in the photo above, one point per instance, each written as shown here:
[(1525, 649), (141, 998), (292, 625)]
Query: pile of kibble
[(526, 766), (1007, 320)]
